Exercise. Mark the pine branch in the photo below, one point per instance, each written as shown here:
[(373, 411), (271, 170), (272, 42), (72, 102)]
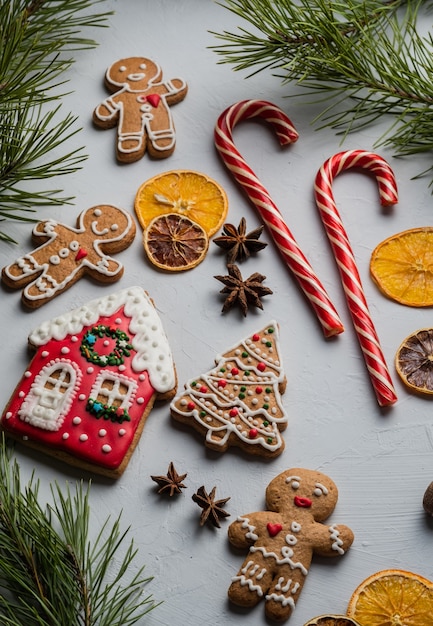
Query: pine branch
[(37, 39), (359, 60), (51, 572)]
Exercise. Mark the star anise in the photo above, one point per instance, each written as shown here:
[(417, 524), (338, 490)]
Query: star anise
[(239, 244), (246, 292), (171, 483), (212, 509)]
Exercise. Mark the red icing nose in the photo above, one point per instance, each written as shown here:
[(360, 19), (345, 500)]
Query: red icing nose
[(303, 503)]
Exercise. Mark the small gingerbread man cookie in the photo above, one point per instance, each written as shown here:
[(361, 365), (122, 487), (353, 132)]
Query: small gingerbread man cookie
[(283, 539), (140, 107), (66, 254)]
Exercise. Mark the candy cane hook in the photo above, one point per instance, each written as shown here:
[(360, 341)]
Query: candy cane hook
[(259, 196), (351, 281)]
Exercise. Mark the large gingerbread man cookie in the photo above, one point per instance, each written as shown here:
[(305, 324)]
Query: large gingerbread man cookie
[(140, 108), (67, 253), (283, 539)]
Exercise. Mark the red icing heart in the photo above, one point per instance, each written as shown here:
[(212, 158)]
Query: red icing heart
[(153, 99), (274, 529), (80, 254)]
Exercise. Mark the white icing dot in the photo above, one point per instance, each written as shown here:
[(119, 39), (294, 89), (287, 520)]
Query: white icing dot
[(65, 436), (114, 227), (27, 374), (8, 415), (209, 419), (82, 396), (84, 437), (76, 420), (44, 354), (102, 432), (183, 402), (89, 370), (65, 350), (106, 448), (106, 343), (140, 400), (74, 339), (273, 410), (97, 212), (122, 368), (118, 320), (254, 401), (122, 432), (21, 394), (141, 377)]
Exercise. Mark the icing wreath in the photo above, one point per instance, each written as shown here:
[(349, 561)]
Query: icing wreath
[(116, 356)]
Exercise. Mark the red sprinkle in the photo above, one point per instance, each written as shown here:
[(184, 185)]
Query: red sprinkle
[(233, 412), (261, 367), (259, 389), (256, 337), (253, 433), (190, 406), (222, 382), (234, 371), (203, 389)]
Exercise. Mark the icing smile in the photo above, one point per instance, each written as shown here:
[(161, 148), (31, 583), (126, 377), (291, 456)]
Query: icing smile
[(303, 503)]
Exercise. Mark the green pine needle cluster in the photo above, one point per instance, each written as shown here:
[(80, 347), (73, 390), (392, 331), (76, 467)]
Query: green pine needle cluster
[(51, 572), (358, 60), (37, 42)]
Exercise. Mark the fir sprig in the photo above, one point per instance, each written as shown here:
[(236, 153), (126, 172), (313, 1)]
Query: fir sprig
[(358, 60), (37, 42), (52, 572)]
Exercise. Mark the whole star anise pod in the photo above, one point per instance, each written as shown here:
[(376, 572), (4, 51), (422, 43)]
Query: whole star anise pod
[(246, 292), (212, 509), (171, 483), (239, 244)]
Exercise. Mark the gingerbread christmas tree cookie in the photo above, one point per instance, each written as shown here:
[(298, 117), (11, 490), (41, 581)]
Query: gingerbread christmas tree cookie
[(238, 402)]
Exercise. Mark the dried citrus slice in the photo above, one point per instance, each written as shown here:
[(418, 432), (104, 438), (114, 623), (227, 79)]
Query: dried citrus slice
[(393, 598), (402, 267), (173, 242), (185, 192), (332, 620), (414, 361)]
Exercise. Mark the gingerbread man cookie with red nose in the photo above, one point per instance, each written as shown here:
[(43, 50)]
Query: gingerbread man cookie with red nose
[(140, 108), (283, 539), (67, 253)]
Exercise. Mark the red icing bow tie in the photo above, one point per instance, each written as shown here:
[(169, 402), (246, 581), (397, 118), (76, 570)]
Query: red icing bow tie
[(153, 99)]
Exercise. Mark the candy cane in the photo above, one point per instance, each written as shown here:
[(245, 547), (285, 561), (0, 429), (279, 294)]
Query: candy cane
[(283, 238), (363, 324)]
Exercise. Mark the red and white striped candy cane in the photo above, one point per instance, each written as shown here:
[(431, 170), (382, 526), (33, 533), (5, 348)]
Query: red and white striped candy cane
[(356, 301), (257, 193)]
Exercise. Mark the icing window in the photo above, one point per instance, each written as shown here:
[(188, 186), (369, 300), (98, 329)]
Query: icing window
[(51, 395), (111, 396)]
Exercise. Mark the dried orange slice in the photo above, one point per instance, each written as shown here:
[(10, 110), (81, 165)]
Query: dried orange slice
[(414, 361), (393, 598), (402, 267), (332, 620), (185, 192), (173, 242)]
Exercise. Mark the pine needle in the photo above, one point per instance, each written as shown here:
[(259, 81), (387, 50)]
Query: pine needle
[(51, 572), (361, 60)]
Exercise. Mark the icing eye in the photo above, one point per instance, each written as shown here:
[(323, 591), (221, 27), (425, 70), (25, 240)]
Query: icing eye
[(320, 490), (114, 227), (122, 68), (143, 66), (97, 212), (293, 481)]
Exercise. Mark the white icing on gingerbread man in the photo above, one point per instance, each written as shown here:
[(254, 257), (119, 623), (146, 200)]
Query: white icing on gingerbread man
[(283, 539), (68, 253), (140, 107)]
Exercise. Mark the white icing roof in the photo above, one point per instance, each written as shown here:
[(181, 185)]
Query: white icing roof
[(148, 338)]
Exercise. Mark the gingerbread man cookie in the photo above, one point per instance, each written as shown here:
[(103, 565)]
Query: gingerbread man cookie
[(140, 107), (283, 539), (68, 253)]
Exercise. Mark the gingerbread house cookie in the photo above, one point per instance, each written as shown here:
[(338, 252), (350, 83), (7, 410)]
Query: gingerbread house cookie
[(92, 382)]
